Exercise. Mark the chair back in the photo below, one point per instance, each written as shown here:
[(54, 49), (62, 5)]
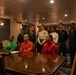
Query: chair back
[(74, 67), (2, 66), (4, 43), (0, 45)]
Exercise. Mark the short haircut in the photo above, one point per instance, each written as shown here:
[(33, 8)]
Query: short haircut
[(54, 28), (27, 35), (12, 36), (43, 26), (73, 23), (51, 37)]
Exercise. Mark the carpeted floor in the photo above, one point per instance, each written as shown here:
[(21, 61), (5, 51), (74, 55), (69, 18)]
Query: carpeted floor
[(66, 71), (68, 60)]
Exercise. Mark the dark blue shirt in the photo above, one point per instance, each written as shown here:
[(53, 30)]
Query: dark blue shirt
[(62, 36), (72, 35), (32, 38), (20, 38)]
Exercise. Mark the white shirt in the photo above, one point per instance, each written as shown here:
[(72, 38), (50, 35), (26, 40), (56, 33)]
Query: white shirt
[(55, 37), (42, 35)]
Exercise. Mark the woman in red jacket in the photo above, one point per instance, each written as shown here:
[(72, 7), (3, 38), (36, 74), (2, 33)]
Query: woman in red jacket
[(49, 47)]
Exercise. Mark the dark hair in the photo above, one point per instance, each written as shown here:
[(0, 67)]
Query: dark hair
[(27, 35), (23, 29), (73, 23), (61, 24), (32, 31), (43, 26), (51, 37), (12, 36), (54, 28)]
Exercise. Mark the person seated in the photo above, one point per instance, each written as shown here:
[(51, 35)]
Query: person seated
[(11, 45), (49, 47), (26, 46)]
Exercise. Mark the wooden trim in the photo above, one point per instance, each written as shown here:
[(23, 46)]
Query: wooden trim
[(74, 66), (2, 66)]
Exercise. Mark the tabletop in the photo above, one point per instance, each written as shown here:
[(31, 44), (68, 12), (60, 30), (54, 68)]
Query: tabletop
[(33, 63)]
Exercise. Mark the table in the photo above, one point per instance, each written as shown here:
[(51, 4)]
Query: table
[(33, 63)]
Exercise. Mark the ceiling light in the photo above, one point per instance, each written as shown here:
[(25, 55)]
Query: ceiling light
[(60, 21), (51, 1), (66, 15), (43, 18), (54, 23), (25, 20), (72, 21)]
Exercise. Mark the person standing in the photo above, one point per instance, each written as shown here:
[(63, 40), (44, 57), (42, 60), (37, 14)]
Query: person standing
[(72, 42), (54, 34), (20, 36), (48, 30), (41, 38), (63, 36), (32, 36)]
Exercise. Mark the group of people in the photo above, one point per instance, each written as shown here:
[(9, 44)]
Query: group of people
[(46, 40), (22, 41)]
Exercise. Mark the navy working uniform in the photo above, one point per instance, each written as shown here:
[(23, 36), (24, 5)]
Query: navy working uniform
[(72, 43), (32, 38), (20, 38), (62, 38)]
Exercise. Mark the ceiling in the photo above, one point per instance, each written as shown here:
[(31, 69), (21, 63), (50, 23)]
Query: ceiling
[(33, 10)]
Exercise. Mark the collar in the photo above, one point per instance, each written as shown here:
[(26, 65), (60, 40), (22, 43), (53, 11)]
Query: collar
[(26, 42), (11, 41), (49, 42)]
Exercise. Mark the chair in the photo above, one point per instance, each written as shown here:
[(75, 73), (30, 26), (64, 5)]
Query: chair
[(74, 67), (0, 45), (2, 66), (4, 43)]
